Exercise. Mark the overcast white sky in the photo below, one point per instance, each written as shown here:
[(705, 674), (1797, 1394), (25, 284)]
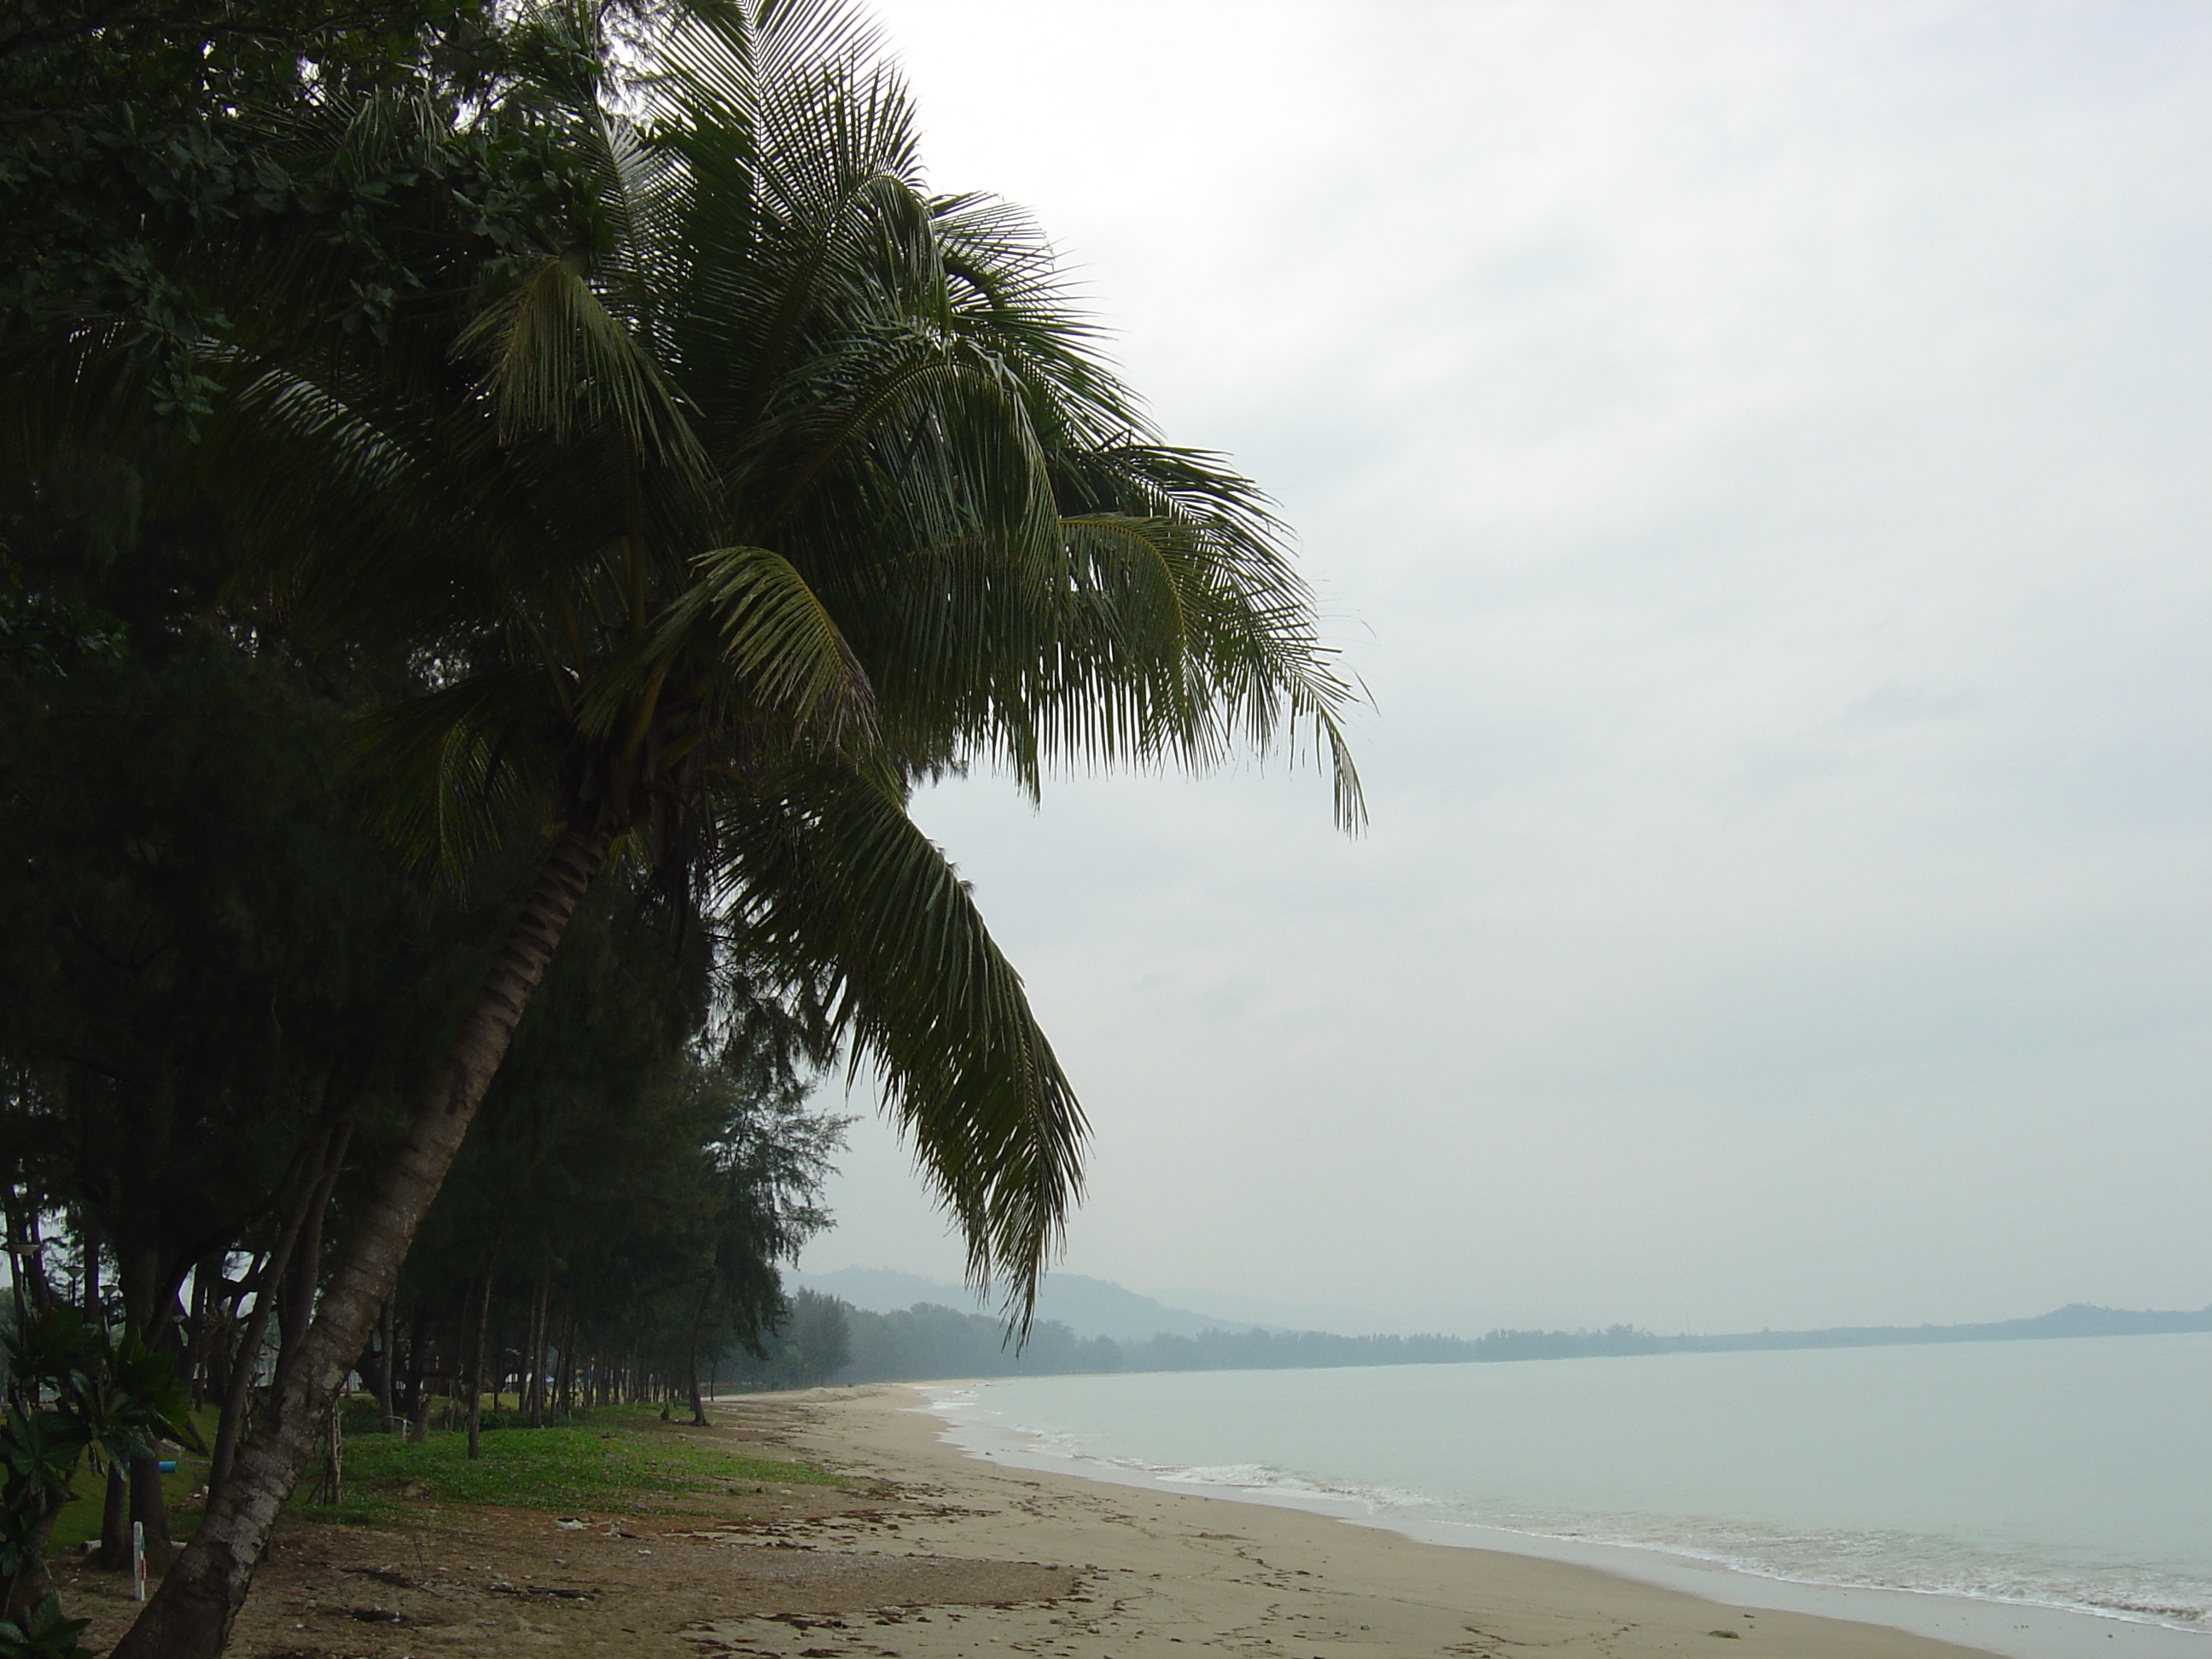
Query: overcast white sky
[(1757, 456)]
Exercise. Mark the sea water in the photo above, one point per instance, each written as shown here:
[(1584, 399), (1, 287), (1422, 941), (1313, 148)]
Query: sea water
[(2066, 1475)]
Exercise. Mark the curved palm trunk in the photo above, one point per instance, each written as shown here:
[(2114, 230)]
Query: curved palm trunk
[(189, 1616)]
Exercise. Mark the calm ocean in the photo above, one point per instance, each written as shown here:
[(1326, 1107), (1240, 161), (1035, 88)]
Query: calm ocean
[(2021, 1475)]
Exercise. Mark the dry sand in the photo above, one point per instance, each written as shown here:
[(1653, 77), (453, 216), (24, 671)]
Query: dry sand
[(929, 1555)]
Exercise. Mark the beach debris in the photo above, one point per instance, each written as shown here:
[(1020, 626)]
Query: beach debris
[(555, 1592), (391, 1575)]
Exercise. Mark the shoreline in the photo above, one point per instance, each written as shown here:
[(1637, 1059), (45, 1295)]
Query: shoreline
[(1166, 1569), (842, 1523), (2014, 1630)]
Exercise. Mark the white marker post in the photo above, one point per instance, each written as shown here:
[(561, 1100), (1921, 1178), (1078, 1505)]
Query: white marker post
[(137, 1560)]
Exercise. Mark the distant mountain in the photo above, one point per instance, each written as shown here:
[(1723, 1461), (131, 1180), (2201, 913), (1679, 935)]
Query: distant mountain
[(883, 1290), (1342, 1318), (1089, 1306), (1097, 1307), (934, 1338), (1305, 1336), (2076, 1319)]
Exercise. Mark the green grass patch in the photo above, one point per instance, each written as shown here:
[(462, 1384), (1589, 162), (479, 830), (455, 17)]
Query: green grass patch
[(606, 1462), (79, 1519), (623, 1456)]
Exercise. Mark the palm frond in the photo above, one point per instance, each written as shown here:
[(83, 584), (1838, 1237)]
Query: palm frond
[(832, 878), (452, 772), (557, 359), (777, 637), (751, 640)]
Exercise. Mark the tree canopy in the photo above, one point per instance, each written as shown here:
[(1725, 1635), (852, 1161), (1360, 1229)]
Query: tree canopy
[(501, 506)]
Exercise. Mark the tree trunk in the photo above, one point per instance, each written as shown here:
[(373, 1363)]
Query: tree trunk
[(88, 1246), (267, 1282), (533, 1381), (531, 1402), (33, 1579), (333, 1486), (150, 1302), (296, 1287), (418, 1361), (387, 1333), (20, 1262), (150, 1508), (202, 1320), (564, 1391), (477, 1362), (115, 1520), (698, 1318), (191, 1615), (26, 1258), (226, 1305)]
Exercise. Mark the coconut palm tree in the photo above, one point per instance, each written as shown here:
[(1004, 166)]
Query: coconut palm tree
[(778, 487)]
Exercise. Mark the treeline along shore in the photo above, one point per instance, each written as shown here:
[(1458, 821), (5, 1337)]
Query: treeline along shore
[(827, 1340)]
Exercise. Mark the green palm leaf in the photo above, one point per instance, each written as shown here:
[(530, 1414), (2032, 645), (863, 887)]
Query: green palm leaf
[(832, 878), (558, 359)]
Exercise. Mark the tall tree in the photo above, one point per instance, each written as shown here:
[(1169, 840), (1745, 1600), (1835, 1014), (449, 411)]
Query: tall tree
[(779, 485)]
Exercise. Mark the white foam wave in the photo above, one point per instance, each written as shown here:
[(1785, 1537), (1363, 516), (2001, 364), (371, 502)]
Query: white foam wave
[(1831, 1559)]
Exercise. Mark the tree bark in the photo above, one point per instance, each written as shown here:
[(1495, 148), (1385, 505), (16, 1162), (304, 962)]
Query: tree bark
[(88, 1245), (191, 1615), (477, 1361), (115, 1520), (698, 1318), (35, 1578), (27, 1254), (418, 1361), (202, 1321), (149, 1507), (226, 1314), (387, 1332), (333, 1486), (268, 1283), (150, 1302), (534, 1379), (564, 1390)]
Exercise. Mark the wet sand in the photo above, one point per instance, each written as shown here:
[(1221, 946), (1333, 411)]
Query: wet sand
[(1165, 1573)]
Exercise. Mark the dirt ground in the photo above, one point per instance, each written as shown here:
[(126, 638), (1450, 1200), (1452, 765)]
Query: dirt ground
[(805, 1571)]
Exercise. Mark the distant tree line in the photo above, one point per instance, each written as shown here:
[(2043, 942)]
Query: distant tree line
[(828, 1340)]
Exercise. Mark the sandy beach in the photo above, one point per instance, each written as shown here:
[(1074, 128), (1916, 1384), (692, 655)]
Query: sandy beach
[(923, 1553), (1163, 1572)]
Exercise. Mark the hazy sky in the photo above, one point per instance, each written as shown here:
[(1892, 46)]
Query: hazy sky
[(1757, 456)]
